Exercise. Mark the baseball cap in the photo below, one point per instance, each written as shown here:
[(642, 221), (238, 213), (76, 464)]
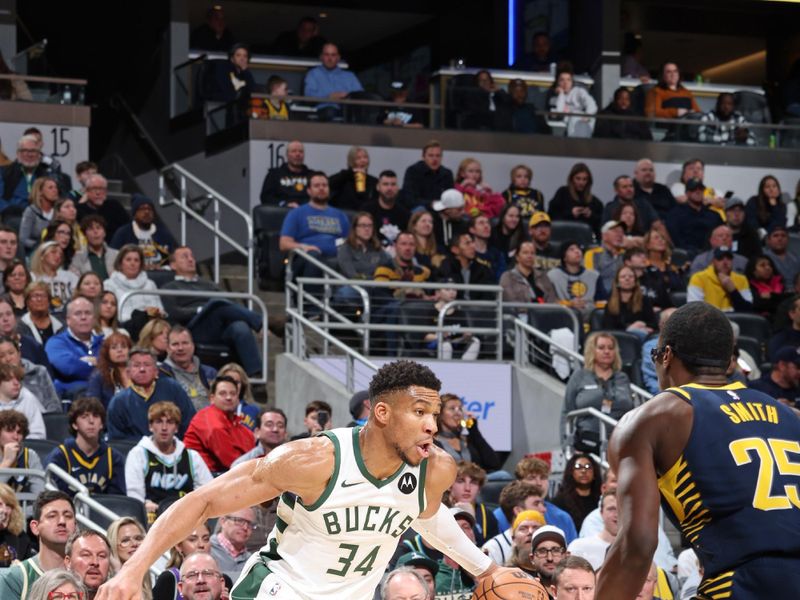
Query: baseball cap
[(356, 401), (732, 202), (538, 218), (459, 512), (723, 251), (549, 532), (694, 184), (609, 225), (787, 354), (415, 559), (450, 199), (777, 227)]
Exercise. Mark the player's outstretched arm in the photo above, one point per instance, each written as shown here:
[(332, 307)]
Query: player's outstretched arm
[(302, 467), (631, 455), (438, 526)]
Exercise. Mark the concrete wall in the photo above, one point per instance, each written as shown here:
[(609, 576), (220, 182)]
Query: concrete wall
[(298, 382), (536, 402)]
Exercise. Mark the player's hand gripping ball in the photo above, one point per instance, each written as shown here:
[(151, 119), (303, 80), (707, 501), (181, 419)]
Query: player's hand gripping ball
[(510, 584)]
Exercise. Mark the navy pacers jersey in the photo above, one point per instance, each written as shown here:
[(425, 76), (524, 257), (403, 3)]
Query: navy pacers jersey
[(735, 492)]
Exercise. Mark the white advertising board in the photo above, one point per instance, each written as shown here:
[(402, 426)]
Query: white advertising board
[(484, 388)]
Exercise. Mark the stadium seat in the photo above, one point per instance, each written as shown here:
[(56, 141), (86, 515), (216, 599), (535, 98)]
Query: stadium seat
[(750, 325), (752, 346), (41, 447), (124, 506), (678, 298), (416, 312), (562, 231), (267, 222), (688, 131), (122, 446), (215, 355), (630, 349), (57, 426), (545, 317), (790, 138), (490, 492), (755, 109), (794, 240), (596, 319), (638, 97), (364, 115), (680, 257)]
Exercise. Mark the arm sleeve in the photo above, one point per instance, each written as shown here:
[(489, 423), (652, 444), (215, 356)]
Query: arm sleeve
[(311, 86), (134, 473), (25, 230), (569, 402), (444, 534), (34, 462)]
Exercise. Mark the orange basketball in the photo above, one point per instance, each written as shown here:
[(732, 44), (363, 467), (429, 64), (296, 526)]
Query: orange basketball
[(510, 585)]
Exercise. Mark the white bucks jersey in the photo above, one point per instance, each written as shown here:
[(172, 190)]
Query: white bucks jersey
[(339, 546)]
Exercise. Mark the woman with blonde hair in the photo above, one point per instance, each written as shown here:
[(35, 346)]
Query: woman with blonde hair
[(166, 586), (46, 266), (14, 542), (125, 535), (247, 410), (420, 225), (39, 212), (154, 337), (660, 266), (600, 384), (352, 187)]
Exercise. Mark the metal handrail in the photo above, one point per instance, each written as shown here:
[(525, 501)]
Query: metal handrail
[(327, 310), (40, 79), (344, 101), (214, 226), (351, 356), (522, 329), (603, 420), (84, 497), (441, 329), (208, 295)]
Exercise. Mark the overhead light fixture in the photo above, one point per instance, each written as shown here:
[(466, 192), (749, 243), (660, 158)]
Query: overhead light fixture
[(323, 15)]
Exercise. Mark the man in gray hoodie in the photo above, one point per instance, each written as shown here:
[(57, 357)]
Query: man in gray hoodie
[(185, 367)]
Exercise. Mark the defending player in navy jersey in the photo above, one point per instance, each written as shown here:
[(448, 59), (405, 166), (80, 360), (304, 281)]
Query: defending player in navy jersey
[(725, 461), (346, 497)]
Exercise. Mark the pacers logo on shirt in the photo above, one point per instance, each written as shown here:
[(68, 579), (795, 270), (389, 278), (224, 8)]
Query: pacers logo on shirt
[(407, 483), (577, 289)]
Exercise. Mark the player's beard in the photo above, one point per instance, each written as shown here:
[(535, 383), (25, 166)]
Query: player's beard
[(403, 455)]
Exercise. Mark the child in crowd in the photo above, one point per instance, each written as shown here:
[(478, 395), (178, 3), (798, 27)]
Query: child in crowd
[(275, 108), (519, 192)]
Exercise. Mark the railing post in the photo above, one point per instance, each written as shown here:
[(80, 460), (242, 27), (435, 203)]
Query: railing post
[(216, 241), (183, 210), (500, 325), (326, 295), (350, 377)]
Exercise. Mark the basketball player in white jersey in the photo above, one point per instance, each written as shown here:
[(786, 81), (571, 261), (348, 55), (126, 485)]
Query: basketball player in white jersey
[(346, 497)]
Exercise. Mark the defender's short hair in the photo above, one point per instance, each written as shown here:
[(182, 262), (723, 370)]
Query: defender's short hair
[(401, 375), (711, 350)]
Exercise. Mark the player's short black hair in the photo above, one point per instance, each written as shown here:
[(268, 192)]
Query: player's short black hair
[(401, 375), (701, 336)]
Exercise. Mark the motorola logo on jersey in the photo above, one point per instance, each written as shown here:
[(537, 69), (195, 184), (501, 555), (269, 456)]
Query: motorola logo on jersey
[(407, 483)]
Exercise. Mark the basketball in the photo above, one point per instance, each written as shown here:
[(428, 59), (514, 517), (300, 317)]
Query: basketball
[(510, 585)]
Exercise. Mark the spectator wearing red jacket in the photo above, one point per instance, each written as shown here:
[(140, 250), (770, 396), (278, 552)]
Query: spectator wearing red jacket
[(217, 432)]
